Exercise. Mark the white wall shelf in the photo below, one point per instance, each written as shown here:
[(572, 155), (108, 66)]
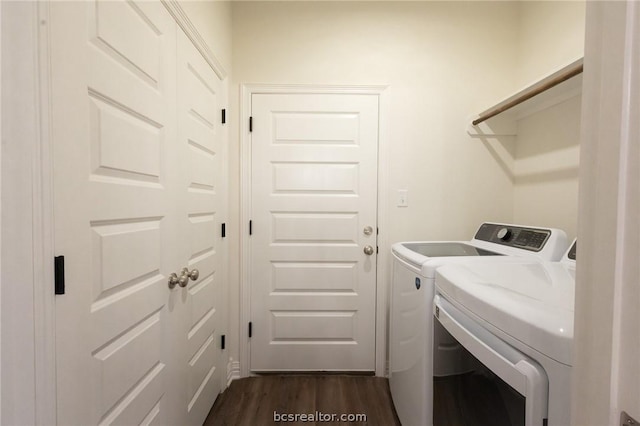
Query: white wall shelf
[(500, 119)]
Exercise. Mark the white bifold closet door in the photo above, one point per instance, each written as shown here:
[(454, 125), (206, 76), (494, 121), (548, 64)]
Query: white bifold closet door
[(136, 137)]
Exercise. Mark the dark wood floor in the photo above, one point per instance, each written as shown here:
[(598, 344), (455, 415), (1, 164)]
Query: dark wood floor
[(254, 400)]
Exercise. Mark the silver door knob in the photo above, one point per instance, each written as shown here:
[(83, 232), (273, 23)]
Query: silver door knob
[(193, 274), (183, 280), (173, 280), (368, 250)]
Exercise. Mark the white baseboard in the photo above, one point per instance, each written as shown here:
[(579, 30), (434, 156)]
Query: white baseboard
[(233, 371)]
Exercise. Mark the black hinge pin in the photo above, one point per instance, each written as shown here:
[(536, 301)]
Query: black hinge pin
[(251, 124), (250, 329), (222, 343), (224, 230), (224, 116), (250, 227)]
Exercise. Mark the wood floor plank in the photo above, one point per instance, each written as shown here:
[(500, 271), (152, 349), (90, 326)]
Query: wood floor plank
[(300, 393), (253, 400), (377, 397), (332, 397), (271, 397)]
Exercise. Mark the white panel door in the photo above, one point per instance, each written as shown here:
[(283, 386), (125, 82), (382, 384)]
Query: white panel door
[(200, 323), (135, 200), (314, 191), (114, 92)]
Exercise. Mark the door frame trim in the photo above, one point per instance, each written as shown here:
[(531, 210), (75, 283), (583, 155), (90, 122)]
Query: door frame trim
[(180, 17), (36, 295), (382, 290)]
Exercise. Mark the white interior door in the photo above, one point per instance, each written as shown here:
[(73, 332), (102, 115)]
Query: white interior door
[(201, 213), (314, 211), (135, 141), (114, 91)]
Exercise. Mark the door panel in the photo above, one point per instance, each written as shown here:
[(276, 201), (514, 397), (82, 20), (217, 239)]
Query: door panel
[(315, 178), (136, 198), (314, 190), (131, 33), (200, 135), (112, 127)]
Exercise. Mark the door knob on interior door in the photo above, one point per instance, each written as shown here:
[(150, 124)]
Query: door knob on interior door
[(183, 280), (193, 274), (173, 280), (368, 250)]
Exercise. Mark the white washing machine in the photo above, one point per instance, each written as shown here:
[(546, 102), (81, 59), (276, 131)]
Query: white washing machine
[(513, 326), (412, 292)]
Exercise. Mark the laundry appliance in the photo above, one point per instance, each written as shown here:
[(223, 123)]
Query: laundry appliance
[(412, 292), (512, 325)]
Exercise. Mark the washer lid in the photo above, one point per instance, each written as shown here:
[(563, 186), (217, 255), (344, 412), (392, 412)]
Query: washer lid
[(418, 252), (447, 249), (528, 300)]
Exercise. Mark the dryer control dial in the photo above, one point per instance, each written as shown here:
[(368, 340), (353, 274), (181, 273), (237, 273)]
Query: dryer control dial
[(504, 234)]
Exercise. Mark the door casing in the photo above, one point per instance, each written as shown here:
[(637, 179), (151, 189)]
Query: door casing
[(246, 91), (31, 277)]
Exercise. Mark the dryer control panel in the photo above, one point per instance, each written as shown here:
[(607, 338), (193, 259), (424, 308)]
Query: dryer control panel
[(532, 239)]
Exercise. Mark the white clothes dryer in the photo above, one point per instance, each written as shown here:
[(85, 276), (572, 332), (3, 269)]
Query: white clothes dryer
[(412, 292), (514, 324)]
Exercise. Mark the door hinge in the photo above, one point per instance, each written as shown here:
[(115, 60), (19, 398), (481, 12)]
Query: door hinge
[(250, 329), (222, 346), (250, 124), (250, 227), (224, 230), (58, 274), (376, 249), (224, 116)]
